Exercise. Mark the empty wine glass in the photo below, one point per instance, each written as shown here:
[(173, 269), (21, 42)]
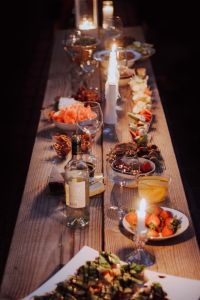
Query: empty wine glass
[(90, 119), (80, 48), (118, 174), (113, 31)]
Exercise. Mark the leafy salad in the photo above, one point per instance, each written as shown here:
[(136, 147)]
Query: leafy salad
[(107, 278)]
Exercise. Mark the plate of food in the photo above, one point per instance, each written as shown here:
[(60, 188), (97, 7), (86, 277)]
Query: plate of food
[(145, 49), (161, 222), (106, 272), (66, 117)]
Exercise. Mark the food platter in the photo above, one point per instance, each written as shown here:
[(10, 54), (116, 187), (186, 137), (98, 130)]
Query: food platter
[(175, 287), (183, 226)]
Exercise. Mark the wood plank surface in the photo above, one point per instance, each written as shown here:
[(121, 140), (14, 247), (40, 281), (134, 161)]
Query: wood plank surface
[(179, 256), (42, 243)]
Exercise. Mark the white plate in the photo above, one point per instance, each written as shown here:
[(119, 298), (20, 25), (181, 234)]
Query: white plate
[(180, 215), (103, 57), (65, 126), (177, 288)]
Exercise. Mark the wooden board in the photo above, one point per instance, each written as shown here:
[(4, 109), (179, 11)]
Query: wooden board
[(41, 242)]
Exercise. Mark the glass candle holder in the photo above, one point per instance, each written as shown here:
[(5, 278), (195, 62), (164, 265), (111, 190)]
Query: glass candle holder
[(86, 14), (107, 11)]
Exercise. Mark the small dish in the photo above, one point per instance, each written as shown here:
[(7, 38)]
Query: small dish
[(142, 165), (132, 56), (178, 214), (145, 49)]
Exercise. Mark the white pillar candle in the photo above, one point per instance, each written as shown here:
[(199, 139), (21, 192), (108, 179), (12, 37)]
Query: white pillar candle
[(111, 88), (107, 12), (141, 213)]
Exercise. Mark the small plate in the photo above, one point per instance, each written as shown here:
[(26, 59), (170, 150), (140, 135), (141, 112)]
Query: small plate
[(184, 225), (103, 56)]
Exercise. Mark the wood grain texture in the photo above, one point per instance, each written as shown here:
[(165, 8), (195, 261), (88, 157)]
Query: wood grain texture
[(42, 243), (179, 256)]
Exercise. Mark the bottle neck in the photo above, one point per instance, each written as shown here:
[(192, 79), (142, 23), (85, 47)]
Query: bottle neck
[(76, 145)]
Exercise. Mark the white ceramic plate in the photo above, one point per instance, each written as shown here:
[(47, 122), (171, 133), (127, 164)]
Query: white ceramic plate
[(103, 56), (177, 288), (180, 215)]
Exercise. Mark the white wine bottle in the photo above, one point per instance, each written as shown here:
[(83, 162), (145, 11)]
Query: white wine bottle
[(77, 188)]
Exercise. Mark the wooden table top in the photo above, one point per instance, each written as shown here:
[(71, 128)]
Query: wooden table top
[(42, 243)]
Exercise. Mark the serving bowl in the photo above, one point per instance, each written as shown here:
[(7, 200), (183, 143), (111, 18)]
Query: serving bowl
[(126, 57)]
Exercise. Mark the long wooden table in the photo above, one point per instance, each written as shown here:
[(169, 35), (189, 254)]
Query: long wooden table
[(42, 243)]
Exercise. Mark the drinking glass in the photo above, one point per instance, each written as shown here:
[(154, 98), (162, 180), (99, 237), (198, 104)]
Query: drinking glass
[(123, 179), (80, 48), (113, 31), (90, 120)]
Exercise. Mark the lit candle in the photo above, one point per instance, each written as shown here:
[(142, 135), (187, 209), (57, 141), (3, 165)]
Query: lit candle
[(86, 24), (141, 213), (107, 12)]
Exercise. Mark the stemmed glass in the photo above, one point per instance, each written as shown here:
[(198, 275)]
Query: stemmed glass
[(122, 178), (113, 31), (80, 48), (140, 255), (91, 120)]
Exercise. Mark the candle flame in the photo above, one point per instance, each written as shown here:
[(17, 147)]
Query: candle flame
[(114, 47)]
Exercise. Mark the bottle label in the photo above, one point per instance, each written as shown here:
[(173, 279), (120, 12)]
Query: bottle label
[(75, 194)]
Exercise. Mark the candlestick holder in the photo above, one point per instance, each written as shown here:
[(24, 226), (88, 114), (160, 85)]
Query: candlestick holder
[(140, 255)]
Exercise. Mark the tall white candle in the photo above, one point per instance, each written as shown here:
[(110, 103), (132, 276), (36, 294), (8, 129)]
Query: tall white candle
[(113, 73), (141, 213), (107, 12), (111, 88)]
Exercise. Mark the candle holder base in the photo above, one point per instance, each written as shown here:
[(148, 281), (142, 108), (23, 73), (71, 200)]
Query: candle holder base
[(141, 257)]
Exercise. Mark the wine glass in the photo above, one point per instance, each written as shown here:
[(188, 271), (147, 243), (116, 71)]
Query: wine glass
[(90, 120), (140, 255), (113, 31), (80, 48), (118, 173)]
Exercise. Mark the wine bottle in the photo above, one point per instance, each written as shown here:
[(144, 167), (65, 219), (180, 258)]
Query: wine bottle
[(77, 188)]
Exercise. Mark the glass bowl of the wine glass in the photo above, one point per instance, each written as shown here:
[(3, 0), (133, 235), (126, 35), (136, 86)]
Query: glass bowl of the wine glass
[(69, 40), (90, 118), (120, 176), (113, 31)]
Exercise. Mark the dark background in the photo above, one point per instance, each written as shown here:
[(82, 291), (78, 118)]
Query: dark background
[(26, 41)]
